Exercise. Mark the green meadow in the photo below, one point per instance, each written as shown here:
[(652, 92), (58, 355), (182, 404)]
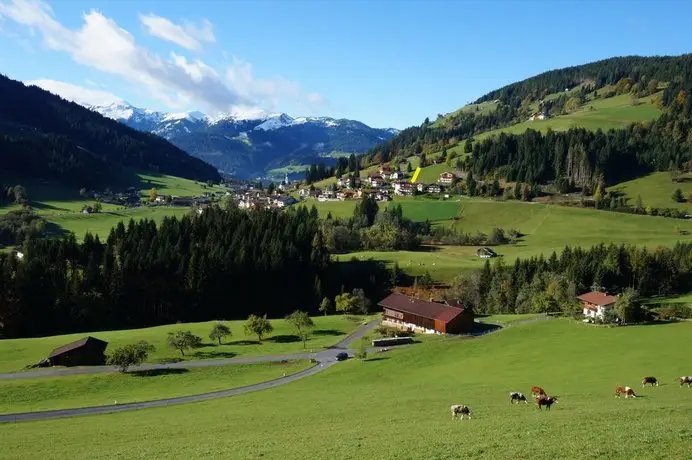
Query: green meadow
[(328, 330), (50, 393), (656, 190), (397, 405)]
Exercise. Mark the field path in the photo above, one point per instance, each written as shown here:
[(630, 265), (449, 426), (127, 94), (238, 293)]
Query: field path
[(325, 359), (323, 355)]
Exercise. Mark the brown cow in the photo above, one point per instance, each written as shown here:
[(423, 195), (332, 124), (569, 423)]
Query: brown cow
[(537, 391), (649, 381), (546, 401), (627, 391), (685, 379)]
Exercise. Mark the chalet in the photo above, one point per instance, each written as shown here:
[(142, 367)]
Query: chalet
[(434, 188), (283, 201), (446, 178), (538, 116), (345, 195), (486, 253), (88, 351), (403, 188), (377, 182), (307, 192), (326, 196), (596, 303), (402, 311), (396, 175), (420, 187), (386, 171), (162, 199)]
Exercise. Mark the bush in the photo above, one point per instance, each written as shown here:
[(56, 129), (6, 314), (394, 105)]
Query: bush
[(130, 355)]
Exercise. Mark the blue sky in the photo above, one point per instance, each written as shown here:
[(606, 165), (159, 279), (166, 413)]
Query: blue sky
[(384, 62)]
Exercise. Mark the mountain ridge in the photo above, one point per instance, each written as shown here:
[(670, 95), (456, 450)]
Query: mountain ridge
[(251, 143)]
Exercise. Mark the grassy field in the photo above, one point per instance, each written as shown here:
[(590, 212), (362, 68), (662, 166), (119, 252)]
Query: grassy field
[(546, 228), (430, 209), (103, 389), (656, 190), (176, 186), (614, 112), (17, 353), (396, 406), (102, 223)]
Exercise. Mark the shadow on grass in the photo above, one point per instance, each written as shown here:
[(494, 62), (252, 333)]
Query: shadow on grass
[(379, 358), (330, 332), (484, 328), (244, 342), (158, 372), (54, 230), (214, 354), (284, 338)]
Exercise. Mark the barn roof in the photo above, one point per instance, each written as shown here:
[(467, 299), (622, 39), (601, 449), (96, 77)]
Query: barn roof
[(598, 298), (77, 344), (423, 308)]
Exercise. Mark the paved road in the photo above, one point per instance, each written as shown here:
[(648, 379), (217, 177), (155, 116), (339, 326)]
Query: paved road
[(321, 355), (325, 359)]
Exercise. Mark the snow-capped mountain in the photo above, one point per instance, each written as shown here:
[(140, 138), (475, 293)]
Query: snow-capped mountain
[(250, 142)]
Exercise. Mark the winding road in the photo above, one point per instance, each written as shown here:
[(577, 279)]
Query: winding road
[(325, 359)]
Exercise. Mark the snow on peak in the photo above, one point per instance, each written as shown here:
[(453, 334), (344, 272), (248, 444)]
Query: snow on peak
[(275, 121), (190, 116)]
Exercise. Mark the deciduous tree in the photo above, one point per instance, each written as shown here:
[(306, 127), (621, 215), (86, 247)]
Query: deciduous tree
[(303, 324), (219, 331), (183, 340), (258, 325), (130, 355)]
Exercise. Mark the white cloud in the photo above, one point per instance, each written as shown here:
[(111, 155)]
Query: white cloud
[(99, 43), (188, 35), (316, 98), (74, 93)]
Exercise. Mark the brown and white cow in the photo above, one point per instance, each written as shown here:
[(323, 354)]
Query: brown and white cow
[(546, 401), (649, 381), (517, 396), (685, 379), (460, 409), (627, 391), (537, 391)]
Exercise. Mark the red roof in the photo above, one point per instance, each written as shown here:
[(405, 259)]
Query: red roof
[(598, 298), (423, 308)]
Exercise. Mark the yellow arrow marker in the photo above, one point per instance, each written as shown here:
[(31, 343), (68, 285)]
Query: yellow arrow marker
[(415, 175)]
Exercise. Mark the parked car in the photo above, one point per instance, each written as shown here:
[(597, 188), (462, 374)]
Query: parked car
[(342, 356)]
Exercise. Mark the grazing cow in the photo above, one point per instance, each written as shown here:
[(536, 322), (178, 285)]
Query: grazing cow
[(537, 391), (518, 397), (546, 401), (460, 409), (686, 379), (649, 381), (627, 391)]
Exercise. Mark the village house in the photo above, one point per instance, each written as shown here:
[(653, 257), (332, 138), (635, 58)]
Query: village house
[(447, 178), (162, 199), (345, 195), (486, 253), (538, 116), (386, 171), (434, 188), (396, 175), (403, 188), (420, 187), (446, 317), (310, 193), (595, 303), (283, 201), (327, 195)]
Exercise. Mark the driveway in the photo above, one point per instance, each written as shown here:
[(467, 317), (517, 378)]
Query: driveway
[(325, 359)]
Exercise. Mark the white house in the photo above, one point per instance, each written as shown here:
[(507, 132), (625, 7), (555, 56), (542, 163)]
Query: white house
[(446, 178), (596, 303)]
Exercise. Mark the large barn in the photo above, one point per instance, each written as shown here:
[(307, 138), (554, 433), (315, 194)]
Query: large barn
[(88, 351), (447, 317)]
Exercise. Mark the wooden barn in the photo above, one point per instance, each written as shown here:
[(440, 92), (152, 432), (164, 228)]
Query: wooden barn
[(88, 351), (447, 317)]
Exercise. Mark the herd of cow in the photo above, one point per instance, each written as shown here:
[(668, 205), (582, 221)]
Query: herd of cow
[(542, 399)]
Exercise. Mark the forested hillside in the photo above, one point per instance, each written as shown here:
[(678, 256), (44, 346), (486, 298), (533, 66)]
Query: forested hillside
[(44, 136), (576, 155), (218, 265)]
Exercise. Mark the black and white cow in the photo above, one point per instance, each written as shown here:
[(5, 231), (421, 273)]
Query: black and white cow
[(686, 379), (460, 409), (517, 396)]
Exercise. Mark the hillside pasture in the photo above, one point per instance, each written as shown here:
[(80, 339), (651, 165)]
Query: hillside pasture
[(656, 190), (545, 228), (360, 409), (328, 330), (67, 392)]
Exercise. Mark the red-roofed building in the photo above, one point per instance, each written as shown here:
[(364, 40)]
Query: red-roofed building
[(595, 303), (402, 311)]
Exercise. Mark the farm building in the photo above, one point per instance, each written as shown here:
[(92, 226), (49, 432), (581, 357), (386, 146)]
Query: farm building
[(447, 178), (595, 303), (88, 351), (400, 310), (485, 253)]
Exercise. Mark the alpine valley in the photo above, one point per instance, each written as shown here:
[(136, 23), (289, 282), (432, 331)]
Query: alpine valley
[(249, 145)]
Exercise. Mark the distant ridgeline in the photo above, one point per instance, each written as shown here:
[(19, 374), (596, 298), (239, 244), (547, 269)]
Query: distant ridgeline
[(578, 156), (44, 136)]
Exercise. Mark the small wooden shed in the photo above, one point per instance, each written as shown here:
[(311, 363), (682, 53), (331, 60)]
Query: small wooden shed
[(88, 351)]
